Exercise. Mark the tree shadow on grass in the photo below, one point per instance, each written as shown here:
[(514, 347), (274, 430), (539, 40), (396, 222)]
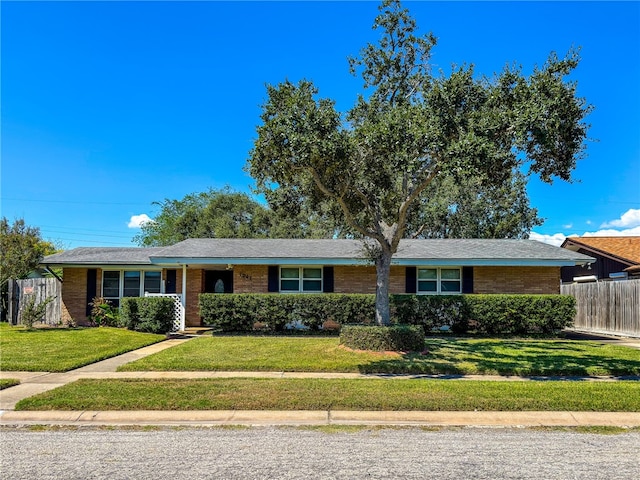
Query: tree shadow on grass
[(455, 356)]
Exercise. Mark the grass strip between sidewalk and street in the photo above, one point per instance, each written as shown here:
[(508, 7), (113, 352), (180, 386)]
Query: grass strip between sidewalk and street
[(338, 394), (63, 349), (443, 355)]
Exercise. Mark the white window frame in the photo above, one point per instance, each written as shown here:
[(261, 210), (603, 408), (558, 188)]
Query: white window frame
[(141, 290), (438, 280), (301, 278)]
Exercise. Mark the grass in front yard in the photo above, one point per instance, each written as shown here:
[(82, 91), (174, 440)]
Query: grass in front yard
[(338, 394), (63, 349), (485, 356), (8, 382)]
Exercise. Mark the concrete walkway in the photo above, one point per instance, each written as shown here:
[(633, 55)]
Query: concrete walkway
[(33, 383)]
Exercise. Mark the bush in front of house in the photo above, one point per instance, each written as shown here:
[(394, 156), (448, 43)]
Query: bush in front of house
[(147, 314), (482, 314), (103, 313), (397, 338), (520, 314), (272, 313), (433, 312)]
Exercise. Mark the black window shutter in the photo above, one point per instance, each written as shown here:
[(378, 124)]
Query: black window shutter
[(467, 279), (410, 280), (327, 279), (273, 278), (170, 285), (92, 285)]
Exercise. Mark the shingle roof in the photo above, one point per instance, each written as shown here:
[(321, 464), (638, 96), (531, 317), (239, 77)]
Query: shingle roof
[(624, 248), (220, 251), (102, 256)]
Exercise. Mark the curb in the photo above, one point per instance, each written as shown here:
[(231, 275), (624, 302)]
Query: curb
[(320, 417)]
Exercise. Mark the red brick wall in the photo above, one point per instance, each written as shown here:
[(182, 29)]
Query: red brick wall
[(74, 295), (195, 286), (535, 280), (251, 279), (361, 279)]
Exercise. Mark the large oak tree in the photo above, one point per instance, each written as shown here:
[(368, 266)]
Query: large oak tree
[(376, 161)]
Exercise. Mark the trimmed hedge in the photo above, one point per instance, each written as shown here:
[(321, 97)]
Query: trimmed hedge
[(245, 312), (147, 314), (520, 314), (482, 314), (396, 338), (433, 312)]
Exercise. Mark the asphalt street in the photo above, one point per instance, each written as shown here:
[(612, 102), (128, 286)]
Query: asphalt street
[(303, 453)]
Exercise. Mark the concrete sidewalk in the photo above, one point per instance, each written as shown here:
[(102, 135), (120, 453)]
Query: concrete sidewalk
[(33, 383), (321, 417)]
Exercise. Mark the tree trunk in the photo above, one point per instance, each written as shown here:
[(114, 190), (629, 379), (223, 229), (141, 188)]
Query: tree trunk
[(383, 274)]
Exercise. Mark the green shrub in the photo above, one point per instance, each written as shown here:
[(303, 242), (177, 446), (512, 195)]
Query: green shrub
[(483, 314), (147, 314), (103, 313), (276, 313), (520, 314), (433, 312), (399, 338), (33, 312)]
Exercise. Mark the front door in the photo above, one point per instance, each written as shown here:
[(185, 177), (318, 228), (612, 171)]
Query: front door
[(218, 281)]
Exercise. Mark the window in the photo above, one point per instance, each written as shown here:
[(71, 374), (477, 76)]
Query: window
[(117, 284), (111, 285), (131, 284), (439, 280), (301, 279), (152, 282)]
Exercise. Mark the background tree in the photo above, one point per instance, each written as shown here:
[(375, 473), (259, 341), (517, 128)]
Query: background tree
[(376, 162), (21, 249), (228, 214)]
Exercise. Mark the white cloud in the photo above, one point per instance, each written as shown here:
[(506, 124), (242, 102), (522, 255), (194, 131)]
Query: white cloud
[(555, 239), (631, 218), (628, 225), (610, 232), (137, 221)]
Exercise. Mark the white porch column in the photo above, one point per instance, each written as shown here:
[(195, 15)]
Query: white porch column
[(184, 297)]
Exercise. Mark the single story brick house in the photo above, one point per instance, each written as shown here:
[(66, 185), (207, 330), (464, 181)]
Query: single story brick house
[(194, 266)]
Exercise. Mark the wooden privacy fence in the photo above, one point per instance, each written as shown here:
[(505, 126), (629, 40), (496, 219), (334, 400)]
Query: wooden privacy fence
[(607, 307), (20, 291)]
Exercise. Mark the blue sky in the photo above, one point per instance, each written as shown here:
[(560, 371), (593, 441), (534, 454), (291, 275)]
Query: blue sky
[(110, 106)]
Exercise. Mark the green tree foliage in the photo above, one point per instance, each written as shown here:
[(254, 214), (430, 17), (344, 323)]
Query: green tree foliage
[(228, 214), (377, 161), (467, 209), (21, 249), (211, 214)]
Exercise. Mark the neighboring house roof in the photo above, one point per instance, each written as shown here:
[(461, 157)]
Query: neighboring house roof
[(212, 251), (623, 249)]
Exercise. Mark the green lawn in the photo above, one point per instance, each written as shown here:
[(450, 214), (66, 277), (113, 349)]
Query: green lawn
[(444, 356), (63, 349), (8, 382), (338, 394)]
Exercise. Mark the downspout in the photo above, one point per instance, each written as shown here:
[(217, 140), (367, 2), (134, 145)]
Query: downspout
[(48, 269), (184, 298)]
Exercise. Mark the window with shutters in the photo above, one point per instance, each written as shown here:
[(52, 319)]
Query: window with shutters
[(436, 281), (300, 279)]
